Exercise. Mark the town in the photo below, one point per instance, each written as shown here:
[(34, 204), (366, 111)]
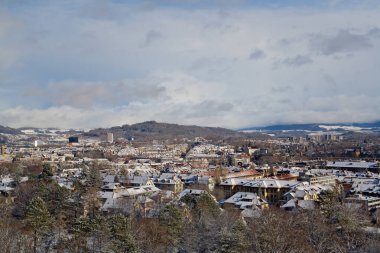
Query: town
[(71, 191), (189, 126)]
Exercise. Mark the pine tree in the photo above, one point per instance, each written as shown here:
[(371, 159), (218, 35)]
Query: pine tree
[(38, 219), (47, 172), (121, 238), (208, 206), (240, 236), (94, 180), (234, 241), (171, 219), (225, 244)]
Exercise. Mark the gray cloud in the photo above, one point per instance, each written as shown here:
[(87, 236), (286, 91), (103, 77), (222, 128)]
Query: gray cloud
[(296, 61), (257, 54), (194, 3), (342, 42), (209, 108), (89, 94), (152, 36), (281, 89), (374, 32)]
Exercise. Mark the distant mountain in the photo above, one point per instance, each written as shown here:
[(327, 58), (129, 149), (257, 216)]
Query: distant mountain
[(368, 125), (9, 130), (291, 127), (152, 129), (50, 130), (316, 127)]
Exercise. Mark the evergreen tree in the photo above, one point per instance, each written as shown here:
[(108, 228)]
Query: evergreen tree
[(240, 239), (120, 236), (225, 244), (171, 219), (207, 206), (232, 239), (47, 172), (38, 219), (94, 180)]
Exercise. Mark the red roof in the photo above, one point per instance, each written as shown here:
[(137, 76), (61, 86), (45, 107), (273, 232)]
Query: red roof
[(246, 173)]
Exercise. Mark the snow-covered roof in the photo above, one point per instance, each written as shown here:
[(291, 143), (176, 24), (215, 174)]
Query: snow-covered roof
[(245, 200), (196, 192), (349, 164), (262, 183)]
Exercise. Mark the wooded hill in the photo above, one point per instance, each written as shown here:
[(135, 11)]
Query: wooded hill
[(152, 129), (9, 130)]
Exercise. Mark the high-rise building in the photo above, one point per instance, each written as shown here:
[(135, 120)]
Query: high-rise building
[(38, 143), (73, 139), (110, 137), (3, 149)]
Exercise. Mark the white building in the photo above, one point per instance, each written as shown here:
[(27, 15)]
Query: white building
[(110, 137)]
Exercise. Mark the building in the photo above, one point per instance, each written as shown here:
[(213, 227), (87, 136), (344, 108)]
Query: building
[(245, 200), (247, 174), (110, 137), (137, 200), (317, 178), (365, 186), (324, 136), (137, 181), (169, 182), (366, 202), (270, 190), (353, 166), (304, 197), (192, 192), (3, 150), (73, 139), (38, 143)]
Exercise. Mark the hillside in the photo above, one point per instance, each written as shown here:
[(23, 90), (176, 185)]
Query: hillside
[(316, 127), (9, 130), (152, 129), (290, 127)]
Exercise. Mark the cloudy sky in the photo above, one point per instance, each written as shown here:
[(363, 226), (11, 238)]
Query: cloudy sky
[(229, 63)]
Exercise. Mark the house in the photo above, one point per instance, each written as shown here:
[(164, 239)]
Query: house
[(136, 181), (131, 201), (189, 179), (245, 200), (169, 182), (298, 205), (107, 179), (7, 184), (303, 196), (194, 192)]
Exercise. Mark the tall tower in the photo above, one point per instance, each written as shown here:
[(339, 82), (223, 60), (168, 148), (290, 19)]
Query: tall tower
[(110, 137)]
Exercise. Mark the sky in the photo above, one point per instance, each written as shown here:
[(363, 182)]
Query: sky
[(226, 63)]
